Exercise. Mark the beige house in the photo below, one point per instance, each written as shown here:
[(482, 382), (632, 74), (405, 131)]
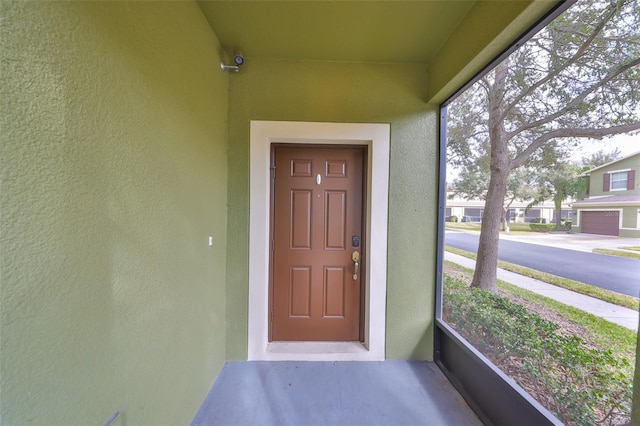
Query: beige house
[(472, 210)]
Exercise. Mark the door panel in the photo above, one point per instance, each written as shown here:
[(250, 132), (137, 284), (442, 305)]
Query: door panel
[(317, 209), (334, 288), (335, 220), (300, 282), (301, 220)]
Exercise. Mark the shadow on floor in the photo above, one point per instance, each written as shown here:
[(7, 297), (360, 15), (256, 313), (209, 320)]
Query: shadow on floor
[(333, 393)]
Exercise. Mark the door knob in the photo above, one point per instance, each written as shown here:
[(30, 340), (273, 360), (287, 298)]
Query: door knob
[(355, 256)]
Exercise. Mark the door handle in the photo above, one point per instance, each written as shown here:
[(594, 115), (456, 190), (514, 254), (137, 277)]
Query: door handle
[(355, 256)]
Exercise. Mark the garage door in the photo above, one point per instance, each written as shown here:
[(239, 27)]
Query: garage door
[(605, 223)]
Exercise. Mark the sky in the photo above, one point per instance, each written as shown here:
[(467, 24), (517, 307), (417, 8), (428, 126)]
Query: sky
[(627, 144)]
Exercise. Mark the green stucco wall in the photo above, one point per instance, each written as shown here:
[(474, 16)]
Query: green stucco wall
[(630, 233), (113, 146), (630, 217), (347, 92), (474, 44)]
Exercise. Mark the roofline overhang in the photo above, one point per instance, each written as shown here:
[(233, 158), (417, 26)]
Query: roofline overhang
[(472, 59), (604, 204), (588, 172)]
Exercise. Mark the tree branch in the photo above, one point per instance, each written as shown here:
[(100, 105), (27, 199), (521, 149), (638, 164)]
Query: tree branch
[(593, 133), (578, 99), (581, 50), (508, 205)]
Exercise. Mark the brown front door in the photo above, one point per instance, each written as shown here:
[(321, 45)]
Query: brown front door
[(316, 228)]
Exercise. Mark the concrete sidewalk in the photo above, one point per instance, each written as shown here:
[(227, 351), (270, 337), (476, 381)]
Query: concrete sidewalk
[(613, 313)]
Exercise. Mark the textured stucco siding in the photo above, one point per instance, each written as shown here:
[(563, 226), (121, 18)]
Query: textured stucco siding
[(347, 92), (596, 178), (630, 217), (113, 147), (630, 233)]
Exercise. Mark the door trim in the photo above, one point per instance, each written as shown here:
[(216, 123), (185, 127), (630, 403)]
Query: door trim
[(377, 138)]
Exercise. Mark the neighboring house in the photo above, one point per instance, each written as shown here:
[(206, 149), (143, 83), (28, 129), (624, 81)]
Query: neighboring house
[(472, 211), (612, 203)]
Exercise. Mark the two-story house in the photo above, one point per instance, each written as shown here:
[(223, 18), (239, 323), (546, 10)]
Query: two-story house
[(612, 204)]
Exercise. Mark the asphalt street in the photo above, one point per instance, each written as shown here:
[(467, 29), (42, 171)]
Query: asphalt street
[(610, 272)]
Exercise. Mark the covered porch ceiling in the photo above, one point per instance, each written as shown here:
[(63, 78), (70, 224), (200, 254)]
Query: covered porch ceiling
[(453, 38)]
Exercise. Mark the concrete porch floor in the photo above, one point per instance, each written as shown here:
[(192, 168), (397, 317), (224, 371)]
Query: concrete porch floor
[(333, 393)]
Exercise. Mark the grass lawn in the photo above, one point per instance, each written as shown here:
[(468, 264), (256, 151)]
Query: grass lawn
[(619, 253), (514, 227), (620, 340), (462, 226)]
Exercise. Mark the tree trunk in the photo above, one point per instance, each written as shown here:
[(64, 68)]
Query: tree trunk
[(558, 207), (487, 260), (485, 274), (505, 220)]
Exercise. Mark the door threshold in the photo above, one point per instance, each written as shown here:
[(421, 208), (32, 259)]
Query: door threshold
[(317, 351)]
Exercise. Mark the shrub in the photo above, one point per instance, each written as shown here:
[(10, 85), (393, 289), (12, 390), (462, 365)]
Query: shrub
[(453, 218), (541, 227), (580, 384)]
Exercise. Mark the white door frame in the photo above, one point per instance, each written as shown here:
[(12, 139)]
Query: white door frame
[(377, 138)]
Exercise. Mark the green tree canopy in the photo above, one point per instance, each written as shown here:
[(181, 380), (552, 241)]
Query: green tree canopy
[(577, 78)]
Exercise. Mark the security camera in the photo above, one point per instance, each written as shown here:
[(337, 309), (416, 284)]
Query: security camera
[(238, 58)]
